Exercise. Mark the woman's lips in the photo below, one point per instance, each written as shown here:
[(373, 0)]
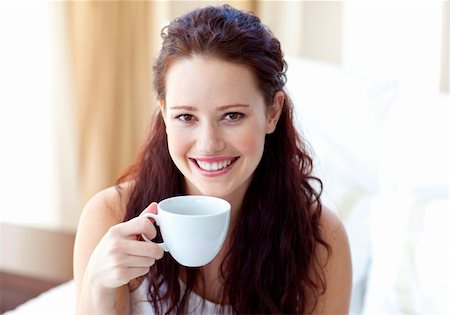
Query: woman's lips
[(214, 166)]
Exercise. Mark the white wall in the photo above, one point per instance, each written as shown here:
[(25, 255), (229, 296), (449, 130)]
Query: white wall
[(401, 40), (34, 117)]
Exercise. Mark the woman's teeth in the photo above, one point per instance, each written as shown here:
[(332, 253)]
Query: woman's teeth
[(213, 167)]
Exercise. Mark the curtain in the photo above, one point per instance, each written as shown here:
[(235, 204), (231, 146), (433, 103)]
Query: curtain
[(110, 45)]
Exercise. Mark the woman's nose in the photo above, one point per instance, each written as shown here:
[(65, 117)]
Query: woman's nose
[(210, 139)]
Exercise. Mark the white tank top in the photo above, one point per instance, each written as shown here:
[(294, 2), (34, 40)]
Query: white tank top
[(197, 305)]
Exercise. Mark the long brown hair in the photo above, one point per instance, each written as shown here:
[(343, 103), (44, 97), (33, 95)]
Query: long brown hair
[(272, 264)]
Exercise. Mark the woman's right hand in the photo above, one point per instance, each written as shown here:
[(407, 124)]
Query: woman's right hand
[(120, 257)]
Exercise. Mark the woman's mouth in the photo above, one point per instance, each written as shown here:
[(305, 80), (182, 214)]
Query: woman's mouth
[(214, 165)]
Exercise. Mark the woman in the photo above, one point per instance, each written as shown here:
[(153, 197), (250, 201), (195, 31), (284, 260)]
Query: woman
[(225, 129)]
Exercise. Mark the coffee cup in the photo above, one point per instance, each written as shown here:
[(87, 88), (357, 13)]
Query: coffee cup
[(193, 228)]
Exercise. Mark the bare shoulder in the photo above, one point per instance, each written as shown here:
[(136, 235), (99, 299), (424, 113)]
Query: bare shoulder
[(109, 204), (337, 266), (332, 228)]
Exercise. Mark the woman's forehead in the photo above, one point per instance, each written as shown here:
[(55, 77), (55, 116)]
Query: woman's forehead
[(190, 80)]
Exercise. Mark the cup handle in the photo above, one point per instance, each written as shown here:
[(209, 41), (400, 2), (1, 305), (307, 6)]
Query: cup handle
[(154, 217)]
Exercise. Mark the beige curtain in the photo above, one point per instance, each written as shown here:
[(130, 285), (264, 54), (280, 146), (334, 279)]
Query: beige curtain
[(112, 47), (110, 51)]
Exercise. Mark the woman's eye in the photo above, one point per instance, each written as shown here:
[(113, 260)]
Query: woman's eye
[(185, 117), (233, 116)]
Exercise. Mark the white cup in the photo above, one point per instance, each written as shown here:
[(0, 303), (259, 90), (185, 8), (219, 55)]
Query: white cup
[(193, 228)]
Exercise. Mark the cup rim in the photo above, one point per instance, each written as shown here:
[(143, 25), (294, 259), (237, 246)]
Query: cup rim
[(226, 206)]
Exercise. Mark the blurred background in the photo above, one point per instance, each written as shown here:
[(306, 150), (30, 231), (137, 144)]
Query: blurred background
[(76, 101)]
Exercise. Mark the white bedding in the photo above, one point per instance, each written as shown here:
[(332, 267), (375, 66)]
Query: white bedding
[(59, 300)]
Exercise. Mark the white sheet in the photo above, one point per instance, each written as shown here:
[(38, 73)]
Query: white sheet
[(59, 300)]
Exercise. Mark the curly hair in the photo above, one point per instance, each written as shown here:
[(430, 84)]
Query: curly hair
[(272, 264)]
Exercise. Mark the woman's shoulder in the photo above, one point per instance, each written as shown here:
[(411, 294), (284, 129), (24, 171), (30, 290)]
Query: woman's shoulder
[(331, 226), (333, 232), (337, 264), (108, 205)]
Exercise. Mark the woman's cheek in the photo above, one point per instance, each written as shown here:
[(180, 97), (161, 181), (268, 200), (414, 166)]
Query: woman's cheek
[(250, 139), (179, 141)]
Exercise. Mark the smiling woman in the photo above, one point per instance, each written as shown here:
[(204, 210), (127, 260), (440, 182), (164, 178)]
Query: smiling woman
[(215, 133), (394, 207), (225, 128)]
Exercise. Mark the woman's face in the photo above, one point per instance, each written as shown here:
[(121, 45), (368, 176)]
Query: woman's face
[(216, 122)]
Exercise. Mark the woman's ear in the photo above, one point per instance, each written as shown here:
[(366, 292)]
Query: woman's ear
[(274, 112)]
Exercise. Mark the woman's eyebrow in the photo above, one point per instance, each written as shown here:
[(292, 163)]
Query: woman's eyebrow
[(184, 107), (220, 108), (225, 107)]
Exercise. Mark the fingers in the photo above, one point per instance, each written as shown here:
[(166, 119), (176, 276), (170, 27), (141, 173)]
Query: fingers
[(133, 273), (152, 208), (124, 276), (135, 226), (119, 257), (125, 241), (137, 248), (138, 225), (128, 261)]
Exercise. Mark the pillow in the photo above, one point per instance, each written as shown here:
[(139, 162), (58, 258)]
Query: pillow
[(409, 221), (409, 271), (415, 150), (341, 114)]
